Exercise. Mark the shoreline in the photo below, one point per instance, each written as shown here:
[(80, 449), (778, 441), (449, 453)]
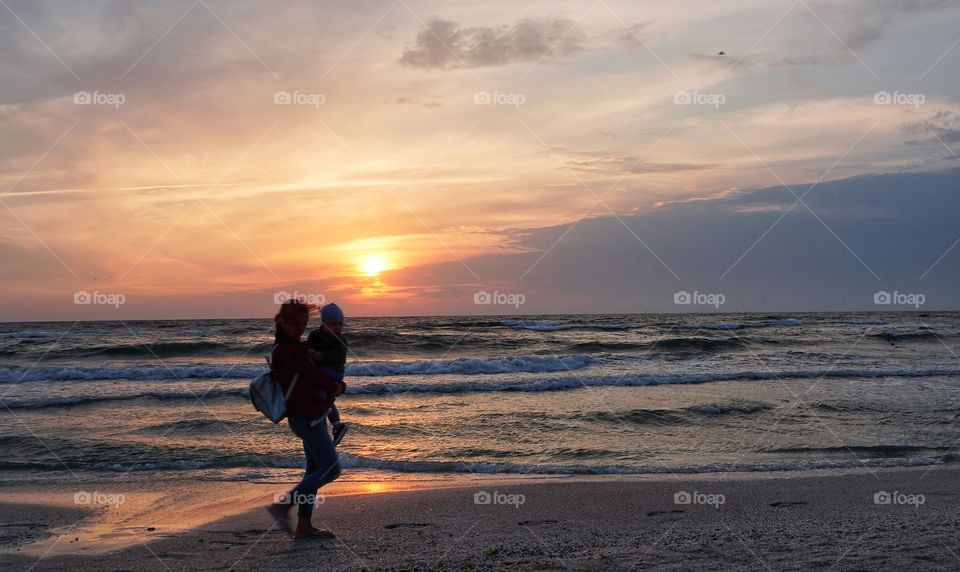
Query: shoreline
[(783, 520)]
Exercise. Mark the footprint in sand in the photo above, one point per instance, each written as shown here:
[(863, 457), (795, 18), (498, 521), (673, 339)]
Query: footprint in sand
[(393, 525), (787, 503), (659, 512)]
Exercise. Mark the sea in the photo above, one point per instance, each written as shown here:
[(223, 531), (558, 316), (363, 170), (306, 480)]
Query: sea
[(434, 397)]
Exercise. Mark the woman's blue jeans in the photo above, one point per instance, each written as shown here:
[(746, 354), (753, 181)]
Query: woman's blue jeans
[(323, 463)]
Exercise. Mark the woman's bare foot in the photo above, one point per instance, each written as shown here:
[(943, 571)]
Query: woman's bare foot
[(305, 529)]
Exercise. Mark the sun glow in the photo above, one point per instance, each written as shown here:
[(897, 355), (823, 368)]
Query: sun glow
[(373, 265)]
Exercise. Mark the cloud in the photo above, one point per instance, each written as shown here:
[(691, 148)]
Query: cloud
[(444, 44), (876, 17), (800, 264), (630, 38), (614, 163), (714, 197), (944, 125), (409, 101), (827, 34)]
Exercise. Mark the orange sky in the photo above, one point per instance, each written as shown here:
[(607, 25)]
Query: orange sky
[(388, 177)]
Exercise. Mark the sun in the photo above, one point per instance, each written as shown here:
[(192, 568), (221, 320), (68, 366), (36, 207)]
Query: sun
[(373, 265)]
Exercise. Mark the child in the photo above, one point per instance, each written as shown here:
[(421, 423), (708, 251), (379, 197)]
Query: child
[(328, 349)]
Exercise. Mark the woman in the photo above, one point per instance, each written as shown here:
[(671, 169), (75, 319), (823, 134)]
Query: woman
[(305, 407)]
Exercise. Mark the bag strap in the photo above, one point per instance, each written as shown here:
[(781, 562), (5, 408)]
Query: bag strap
[(293, 383)]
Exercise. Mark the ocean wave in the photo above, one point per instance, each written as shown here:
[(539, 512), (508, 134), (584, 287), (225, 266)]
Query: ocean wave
[(847, 407), (536, 325), (734, 325), (349, 461), (462, 366), (609, 326), (568, 382), (638, 417), (168, 349), (555, 326), (401, 466), (699, 344), (669, 416), (927, 336), (576, 382), (464, 322), (675, 416), (474, 366), (413, 342), (729, 408), (229, 462), (24, 335), (873, 451), (139, 373), (600, 347), (192, 427), (678, 345), (77, 400)]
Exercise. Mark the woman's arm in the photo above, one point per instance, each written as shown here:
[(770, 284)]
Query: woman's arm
[(313, 375), (295, 360)]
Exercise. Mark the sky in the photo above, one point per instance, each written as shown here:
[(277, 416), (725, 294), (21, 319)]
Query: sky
[(206, 158)]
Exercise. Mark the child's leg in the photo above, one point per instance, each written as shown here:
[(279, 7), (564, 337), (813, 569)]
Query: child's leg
[(333, 415), (323, 394), (339, 429)]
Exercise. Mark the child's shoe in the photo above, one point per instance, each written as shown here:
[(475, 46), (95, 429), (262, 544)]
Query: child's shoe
[(339, 430)]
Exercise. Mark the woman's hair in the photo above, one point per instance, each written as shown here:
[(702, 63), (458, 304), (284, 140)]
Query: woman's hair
[(289, 310)]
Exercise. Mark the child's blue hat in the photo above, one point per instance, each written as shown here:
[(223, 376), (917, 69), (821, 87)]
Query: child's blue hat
[(331, 313)]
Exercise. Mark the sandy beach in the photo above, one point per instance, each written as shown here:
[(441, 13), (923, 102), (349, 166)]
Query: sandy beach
[(889, 519)]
